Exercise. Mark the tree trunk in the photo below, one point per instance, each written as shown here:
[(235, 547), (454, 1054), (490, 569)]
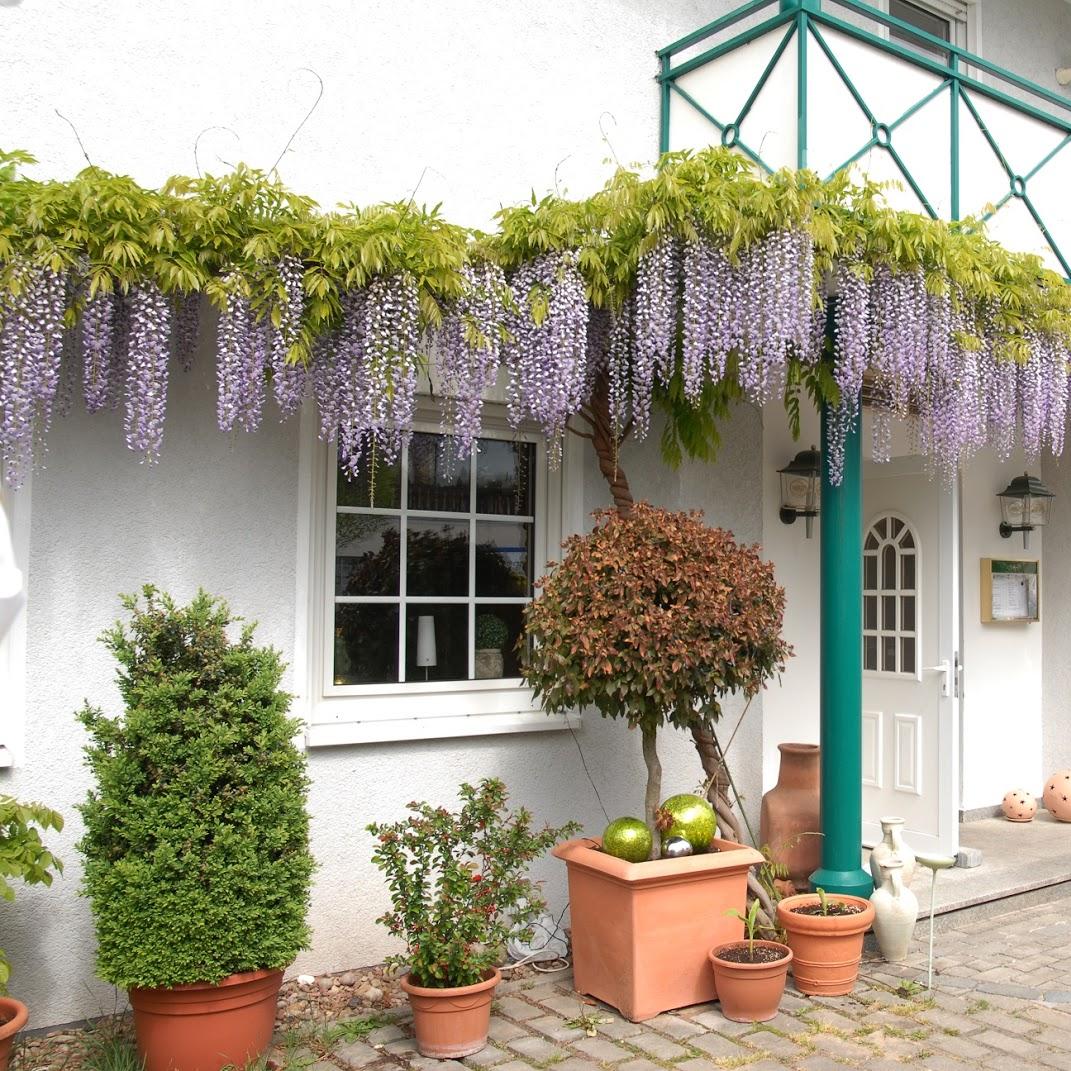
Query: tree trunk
[(607, 444), (653, 796)]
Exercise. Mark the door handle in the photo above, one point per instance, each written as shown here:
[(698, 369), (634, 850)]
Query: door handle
[(944, 667)]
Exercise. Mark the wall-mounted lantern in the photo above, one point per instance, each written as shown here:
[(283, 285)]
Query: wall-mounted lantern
[(801, 487), (1024, 506)]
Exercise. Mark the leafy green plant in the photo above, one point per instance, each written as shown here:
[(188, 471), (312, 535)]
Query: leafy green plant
[(751, 924), (108, 1045), (823, 901), (457, 883), (197, 863), (23, 855), (655, 618), (491, 632)]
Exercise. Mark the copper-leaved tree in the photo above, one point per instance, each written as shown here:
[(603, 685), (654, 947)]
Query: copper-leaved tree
[(654, 617)]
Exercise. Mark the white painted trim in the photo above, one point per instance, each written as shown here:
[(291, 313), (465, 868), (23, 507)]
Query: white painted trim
[(367, 714), (17, 508), (904, 724)]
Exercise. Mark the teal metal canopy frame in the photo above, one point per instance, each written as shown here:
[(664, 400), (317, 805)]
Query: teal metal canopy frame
[(959, 71)]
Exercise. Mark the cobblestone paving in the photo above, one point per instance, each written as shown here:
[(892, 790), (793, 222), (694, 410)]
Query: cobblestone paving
[(997, 1004)]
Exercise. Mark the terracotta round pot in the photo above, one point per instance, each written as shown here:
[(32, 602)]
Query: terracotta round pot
[(13, 1016), (826, 949), (451, 1023), (1057, 795), (791, 812), (750, 992), (204, 1027)]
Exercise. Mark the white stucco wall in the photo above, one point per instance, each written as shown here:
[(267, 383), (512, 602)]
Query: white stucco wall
[(1056, 621), (490, 99)]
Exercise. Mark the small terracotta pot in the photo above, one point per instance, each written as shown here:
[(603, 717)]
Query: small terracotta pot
[(13, 1016), (826, 949), (750, 992), (204, 1027), (790, 820), (451, 1023), (641, 932)]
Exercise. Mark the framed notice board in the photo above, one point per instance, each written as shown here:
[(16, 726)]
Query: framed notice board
[(1010, 590)]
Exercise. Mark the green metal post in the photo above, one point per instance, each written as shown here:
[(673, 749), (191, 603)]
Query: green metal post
[(664, 88), (953, 92), (842, 672), (802, 36)]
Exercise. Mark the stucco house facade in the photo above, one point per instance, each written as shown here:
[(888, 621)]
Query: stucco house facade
[(475, 105)]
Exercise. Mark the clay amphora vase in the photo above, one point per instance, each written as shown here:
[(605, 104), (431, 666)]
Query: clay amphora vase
[(896, 910), (892, 846), (453, 1022), (791, 818)]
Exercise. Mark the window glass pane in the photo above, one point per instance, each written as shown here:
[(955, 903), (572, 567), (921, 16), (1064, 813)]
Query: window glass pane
[(871, 542), (880, 527), (503, 559), (437, 479), (366, 555), (870, 572), (907, 654), (907, 572), (907, 613), (920, 18), (888, 612), (436, 642), (907, 540), (888, 569), (437, 557), (895, 526), (497, 656), (366, 644), (870, 652), (870, 611), (381, 488), (888, 654), (504, 478)]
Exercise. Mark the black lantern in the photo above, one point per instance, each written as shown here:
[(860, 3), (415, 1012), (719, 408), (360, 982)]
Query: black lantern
[(801, 481), (1024, 506)]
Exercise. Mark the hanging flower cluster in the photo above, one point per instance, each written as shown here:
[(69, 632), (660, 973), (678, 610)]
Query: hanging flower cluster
[(706, 274)]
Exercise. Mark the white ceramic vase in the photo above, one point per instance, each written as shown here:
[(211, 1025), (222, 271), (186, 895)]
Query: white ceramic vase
[(896, 910), (892, 846)]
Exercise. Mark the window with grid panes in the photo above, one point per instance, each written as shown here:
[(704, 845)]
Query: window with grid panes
[(890, 598), (432, 553)]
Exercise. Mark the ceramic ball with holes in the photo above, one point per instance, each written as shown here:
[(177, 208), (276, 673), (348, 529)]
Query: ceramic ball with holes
[(1058, 795), (1019, 806)]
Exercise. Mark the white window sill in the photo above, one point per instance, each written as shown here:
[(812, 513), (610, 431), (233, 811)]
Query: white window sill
[(373, 730)]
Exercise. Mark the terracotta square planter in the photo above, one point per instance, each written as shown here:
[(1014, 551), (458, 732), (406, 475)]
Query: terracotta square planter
[(642, 931)]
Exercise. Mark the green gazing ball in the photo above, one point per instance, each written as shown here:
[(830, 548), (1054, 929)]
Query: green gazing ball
[(692, 818), (628, 839)]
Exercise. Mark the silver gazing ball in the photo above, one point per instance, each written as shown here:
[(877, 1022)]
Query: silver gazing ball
[(675, 848)]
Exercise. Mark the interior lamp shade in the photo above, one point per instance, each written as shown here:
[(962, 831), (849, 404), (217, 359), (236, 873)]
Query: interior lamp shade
[(425, 643)]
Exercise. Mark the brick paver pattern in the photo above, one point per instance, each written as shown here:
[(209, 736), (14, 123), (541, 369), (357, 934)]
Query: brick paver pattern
[(999, 1002)]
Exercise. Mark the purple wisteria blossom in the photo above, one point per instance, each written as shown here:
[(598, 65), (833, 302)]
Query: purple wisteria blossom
[(149, 350), (288, 378)]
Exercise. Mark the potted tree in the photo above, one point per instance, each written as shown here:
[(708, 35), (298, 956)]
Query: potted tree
[(653, 618), (825, 934), (492, 635), (750, 974), (197, 864), (458, 891), (23, 855)]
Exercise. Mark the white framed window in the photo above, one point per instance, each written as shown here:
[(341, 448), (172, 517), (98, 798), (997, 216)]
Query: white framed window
[(417, 578), (891, 598), (953, 21)]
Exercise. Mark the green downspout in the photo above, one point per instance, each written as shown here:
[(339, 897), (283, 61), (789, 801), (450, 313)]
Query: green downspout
[(953, 92), (664, 90), (841, 700)]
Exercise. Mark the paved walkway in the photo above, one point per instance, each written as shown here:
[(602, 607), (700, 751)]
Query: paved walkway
[(999, 1002)]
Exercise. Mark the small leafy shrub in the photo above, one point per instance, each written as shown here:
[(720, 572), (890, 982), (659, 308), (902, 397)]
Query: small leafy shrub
[(23, 855), (491, 632), (655, 618), (457, 883), (196, 843)]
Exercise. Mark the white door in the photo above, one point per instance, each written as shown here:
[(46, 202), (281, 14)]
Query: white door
[(910, 655)]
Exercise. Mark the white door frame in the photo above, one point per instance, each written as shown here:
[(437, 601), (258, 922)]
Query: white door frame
[(949, 646)]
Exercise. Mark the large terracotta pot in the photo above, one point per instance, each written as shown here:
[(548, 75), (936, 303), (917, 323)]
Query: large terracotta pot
[(13, 1016), (750, 992), (791, 812), (641, 931), (204, 1027), (451, 1023), (826, 949)]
